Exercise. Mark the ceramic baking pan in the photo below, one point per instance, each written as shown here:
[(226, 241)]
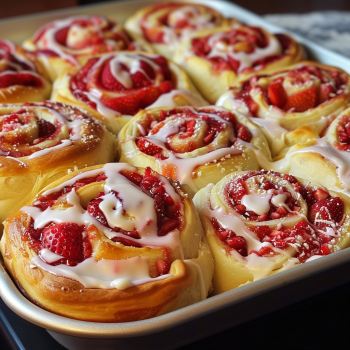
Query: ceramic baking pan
[(210, 316)]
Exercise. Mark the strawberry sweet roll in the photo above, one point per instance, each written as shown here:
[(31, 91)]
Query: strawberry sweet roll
[(111, 243), (194, 146), (66, 42), (294, 105), (42, 141), (217, 58), (22, 77), (325, 160), (115, 87), (164, 25), (258, 223)]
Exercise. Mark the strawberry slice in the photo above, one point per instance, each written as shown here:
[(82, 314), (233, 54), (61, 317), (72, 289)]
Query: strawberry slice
[(325, 90), (11, 123), (148, 147), (108, 81), (46, 129), (302, 101), (129, 104), (148, 95), (25, 79), (61, 36), (163, 267), (233, 63), (243, 133), (330, 209), (277, 94), (64, 239)]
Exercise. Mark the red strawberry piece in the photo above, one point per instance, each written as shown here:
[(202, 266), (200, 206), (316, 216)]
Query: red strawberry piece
[(108, 81), (25, 79), (277, 94), (237, 189), (233, 63), (302, 101), (148, 147), (330, 209), (148, 95), (140, 80), (61, 36), (243, 133), (87, 248), (325, 90), (167, 226), (237, 242), (262, 231), (11, 123), (94, 210), (265, 251), (320, 194), (46, 129), (133, 177), (325, 249), (129, 104), (78, 81), (163, 267), (240, 208), (126, 242), (64, 239), (165, 87), (187, 129)]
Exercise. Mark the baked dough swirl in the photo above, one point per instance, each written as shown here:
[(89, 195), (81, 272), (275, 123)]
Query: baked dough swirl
[(22, 77), (67, 42), (195, 146), (115, 87), (258, 223), (215, 59), (42, 141), (164, 25), (112, 243), (295, 101)]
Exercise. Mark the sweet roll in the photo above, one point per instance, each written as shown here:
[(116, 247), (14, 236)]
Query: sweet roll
[(195, 146), (215, 59), (259, 223), (115, 87), (111, 243)]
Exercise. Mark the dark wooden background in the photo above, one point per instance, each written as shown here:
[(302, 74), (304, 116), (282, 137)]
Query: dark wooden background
[(21, 7)]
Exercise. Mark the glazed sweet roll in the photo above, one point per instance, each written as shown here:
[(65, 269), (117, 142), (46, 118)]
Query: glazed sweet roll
[(40, 142), (303, 94), (258, 223), (64, 43), (325, 160), (115, 87), (164, 25), (112, 243), (22, 77), (217, 58), (194, 146)]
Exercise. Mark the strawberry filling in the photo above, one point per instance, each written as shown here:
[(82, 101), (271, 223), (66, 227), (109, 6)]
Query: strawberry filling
[(236, 190), (188, 130), (168, 212), (17, 143), (331, 85), (144, 90), (343, 130), (156, 34)]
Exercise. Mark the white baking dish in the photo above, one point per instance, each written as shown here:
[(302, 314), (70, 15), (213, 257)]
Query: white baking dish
[(209, 316)]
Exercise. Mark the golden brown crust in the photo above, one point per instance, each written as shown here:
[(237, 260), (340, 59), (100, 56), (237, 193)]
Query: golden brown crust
[(187, 282)]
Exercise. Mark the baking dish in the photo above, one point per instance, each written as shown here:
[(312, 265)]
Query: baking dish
[(177, 328)]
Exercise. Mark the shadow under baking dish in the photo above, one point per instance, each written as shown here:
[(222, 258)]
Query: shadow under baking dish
[(210, 316)]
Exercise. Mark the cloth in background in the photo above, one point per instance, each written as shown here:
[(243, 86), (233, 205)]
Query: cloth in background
[(328, 28)]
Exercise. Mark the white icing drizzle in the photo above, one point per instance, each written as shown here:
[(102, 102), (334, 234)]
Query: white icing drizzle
[(63, 144), (220, 49), (104, 274), (133, 210), (259, 203)]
